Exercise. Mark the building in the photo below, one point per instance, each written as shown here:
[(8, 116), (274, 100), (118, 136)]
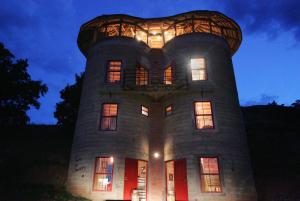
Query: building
[(159, 117)]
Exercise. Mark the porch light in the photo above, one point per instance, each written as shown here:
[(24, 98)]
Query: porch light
[(156, 155)]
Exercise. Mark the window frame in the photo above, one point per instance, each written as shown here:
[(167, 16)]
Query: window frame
[(167, 115), (205, 68), (94, 175), (148, 112), (172, 76), (101, 116), (108, 71), (212, 115), (201, 177), (138, 79)]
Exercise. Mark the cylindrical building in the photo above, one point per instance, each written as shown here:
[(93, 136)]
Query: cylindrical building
[(159, 117)]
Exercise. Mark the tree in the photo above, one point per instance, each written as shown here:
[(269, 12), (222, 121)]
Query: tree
[(296, 104), (67, 110), (17, 90)]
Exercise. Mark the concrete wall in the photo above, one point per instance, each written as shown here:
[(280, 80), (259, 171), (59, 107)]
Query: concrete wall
[(175, 136)]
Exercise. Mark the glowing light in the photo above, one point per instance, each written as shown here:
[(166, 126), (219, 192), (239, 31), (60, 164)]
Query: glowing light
[(154, 33), (112, 159), (158, 37), (138, 38), (156, 155)]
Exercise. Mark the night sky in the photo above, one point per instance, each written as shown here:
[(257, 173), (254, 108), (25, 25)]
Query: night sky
[(267, 65)]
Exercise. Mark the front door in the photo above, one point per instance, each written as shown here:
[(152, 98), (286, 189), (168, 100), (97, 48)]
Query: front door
[(176, 180), (135, 178)]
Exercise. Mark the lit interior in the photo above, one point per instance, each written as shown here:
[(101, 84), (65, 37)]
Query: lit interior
[(156, 32)]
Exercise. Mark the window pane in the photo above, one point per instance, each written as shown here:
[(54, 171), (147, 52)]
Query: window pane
[(109, 116), (211, 183), (204, 122), (198, 69), (110, 110), (109, 123), (210, 175), (141, 76), (168, 110), (103, 174), (103, 182), (209, 166), (114, 71), (104, 165), (197, 64), (168, 75), (203, 108), (145, 111)]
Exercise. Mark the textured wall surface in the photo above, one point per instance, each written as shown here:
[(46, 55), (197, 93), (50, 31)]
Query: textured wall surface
[(175, 136)]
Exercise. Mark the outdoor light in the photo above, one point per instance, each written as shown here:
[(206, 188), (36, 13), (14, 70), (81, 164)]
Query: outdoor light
[(112, 159), (156, 155)]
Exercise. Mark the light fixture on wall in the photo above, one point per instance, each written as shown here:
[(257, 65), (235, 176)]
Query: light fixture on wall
[(156, 155)]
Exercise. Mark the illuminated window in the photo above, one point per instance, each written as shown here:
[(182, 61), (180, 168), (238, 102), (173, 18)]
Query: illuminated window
[(198, 69), (168, 110), (210, 175), (109, 116), (203, 115), (114, 72), (141, 76), (168, 75), (145, 111), (103, 174)]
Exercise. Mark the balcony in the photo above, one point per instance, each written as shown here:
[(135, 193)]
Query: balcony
[(154, 81)]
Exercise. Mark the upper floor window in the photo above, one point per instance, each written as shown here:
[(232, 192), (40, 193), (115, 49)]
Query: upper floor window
[(203, 115), (109, 116), (103, 174), (198, 69), (168, 75), (210, 175), (168, 110), (113, 72), (141, 76), (145, 111)]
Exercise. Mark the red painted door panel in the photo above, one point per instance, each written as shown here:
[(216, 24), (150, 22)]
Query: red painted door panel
[(130, 177), (181, 189)]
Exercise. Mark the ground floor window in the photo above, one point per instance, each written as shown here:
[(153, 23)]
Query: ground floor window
[(103, 174), (210, 175)]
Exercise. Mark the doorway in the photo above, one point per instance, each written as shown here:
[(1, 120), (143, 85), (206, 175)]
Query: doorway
[(176, 180), (135, 178)]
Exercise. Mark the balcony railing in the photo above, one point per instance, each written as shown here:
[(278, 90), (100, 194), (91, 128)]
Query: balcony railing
[(154, 80)]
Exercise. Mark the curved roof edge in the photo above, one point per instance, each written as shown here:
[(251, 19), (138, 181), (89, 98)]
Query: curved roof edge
[(155, 32)]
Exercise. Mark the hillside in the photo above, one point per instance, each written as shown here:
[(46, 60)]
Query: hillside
[(34, 159)]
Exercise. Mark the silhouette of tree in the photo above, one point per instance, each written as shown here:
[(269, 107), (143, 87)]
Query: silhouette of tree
[(17, 90), (296, 104), (67, 110)]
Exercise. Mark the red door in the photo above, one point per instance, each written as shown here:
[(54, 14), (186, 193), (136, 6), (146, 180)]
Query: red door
[(130, 177), (180, 185)]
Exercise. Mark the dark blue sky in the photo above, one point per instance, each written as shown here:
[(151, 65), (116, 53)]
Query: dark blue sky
[(266, 66)]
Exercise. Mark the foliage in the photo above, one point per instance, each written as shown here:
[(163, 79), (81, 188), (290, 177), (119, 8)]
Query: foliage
[(38, 192), (17, 90), (296, 104), (67, 110)]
